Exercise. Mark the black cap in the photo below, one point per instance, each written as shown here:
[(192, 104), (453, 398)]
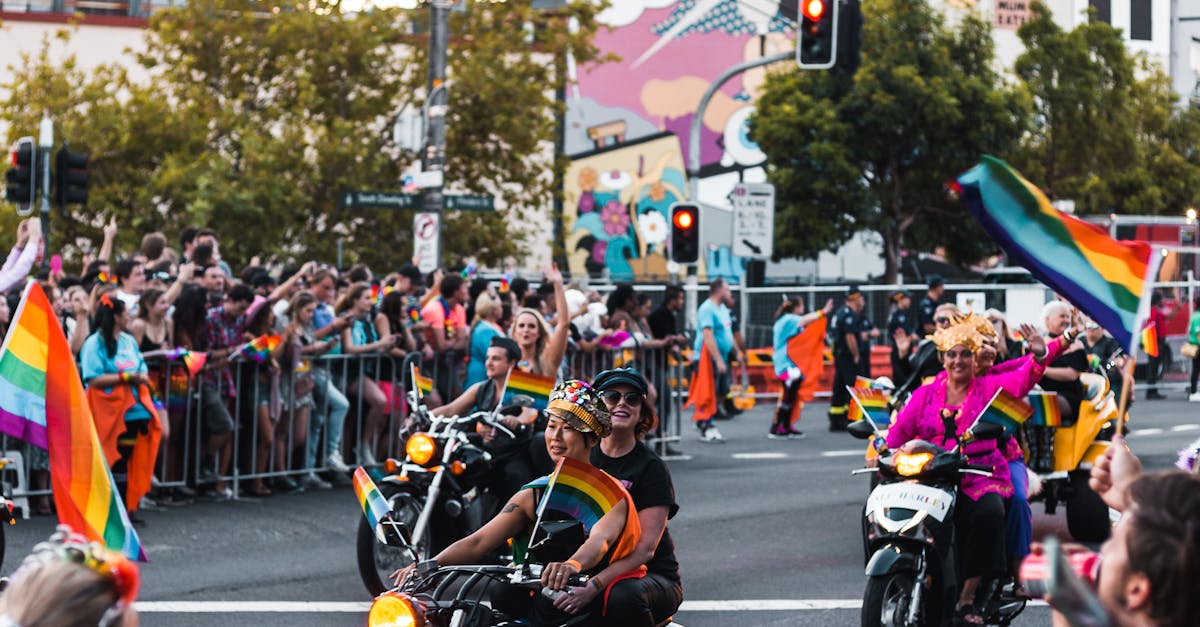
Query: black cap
[(935, 280), (509, 346), (899, 295), (412, 272), (620, 376), (262, 279), (853, 292)]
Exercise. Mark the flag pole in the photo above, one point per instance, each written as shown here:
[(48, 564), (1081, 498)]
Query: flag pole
[(1126, 390), (541, 506), (866, 414)]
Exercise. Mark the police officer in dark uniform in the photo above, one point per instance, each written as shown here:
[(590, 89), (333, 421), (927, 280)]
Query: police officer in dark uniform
[(847, 325), (929, 304), (899, 320)]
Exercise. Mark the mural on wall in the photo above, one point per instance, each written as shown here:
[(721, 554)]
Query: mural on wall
[(627, 125)]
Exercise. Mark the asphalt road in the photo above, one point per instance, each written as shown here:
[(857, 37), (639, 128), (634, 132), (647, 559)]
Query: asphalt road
[(763, 524)]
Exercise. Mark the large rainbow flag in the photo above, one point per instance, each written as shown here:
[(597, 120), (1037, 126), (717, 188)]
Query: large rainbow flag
[(42, 402), (532, 385), (586, 493), (1110, 281)]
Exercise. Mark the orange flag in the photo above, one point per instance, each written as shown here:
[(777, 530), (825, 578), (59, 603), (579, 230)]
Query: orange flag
[(108, 411), (805, 349), (702, 391)]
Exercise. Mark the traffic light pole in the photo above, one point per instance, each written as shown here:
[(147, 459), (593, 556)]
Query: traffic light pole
[(45, 145), (435, 123)]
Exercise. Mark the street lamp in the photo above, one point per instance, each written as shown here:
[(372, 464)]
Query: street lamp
[(1191, 214)]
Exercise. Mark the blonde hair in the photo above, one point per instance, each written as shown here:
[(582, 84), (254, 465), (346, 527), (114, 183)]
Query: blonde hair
[(543, 336), (486, 304), (58, 594)]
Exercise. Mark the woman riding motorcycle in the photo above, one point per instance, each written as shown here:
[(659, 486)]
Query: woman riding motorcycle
[(577, 421), (944, 409)]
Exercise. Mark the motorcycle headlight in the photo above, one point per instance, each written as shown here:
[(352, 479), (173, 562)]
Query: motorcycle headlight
[(392, 609), (909, 464), (420, 448)]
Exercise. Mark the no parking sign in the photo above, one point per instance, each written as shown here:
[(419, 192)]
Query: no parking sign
[(426, 226)]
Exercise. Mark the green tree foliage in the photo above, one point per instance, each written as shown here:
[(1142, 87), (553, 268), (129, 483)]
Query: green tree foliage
[(1107, 131), (255, 115), (873, 151)]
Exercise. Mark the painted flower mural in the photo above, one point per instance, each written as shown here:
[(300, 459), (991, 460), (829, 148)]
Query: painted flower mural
[(615, 217), (653, 227)]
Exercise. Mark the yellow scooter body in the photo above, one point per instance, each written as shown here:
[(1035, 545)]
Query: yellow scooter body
[(1076, 447)]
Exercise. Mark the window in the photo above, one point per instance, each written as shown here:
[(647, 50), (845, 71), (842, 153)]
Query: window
[(1102, 10), (1139, 20)]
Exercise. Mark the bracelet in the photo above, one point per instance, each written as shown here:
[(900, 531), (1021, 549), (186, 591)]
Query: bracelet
[(596, 580), (124, 377), (576, 564)]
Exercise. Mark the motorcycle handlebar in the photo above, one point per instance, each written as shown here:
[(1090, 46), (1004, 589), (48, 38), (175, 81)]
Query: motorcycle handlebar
[(979, 467)]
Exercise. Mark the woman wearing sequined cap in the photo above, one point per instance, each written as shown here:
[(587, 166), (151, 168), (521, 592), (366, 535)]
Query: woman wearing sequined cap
[(954, 399), (578, 419)]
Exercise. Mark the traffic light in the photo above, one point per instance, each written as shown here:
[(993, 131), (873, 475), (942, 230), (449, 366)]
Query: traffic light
[(685, 233), (70, 177), (816, 43), (849, 36), (20, 181)]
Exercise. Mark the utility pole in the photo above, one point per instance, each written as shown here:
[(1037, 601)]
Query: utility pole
[(435, 123), (45, 145)]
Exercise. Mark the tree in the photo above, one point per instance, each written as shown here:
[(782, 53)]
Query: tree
[(1107, 131), (873, 151), (256, 114)]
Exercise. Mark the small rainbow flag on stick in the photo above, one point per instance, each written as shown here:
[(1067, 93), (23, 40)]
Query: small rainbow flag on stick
[(1150, 339), (374, 507), (871, 404), (1045, 409), (194, 362), (261, 347), (424, 384), (42, 402), (532, 385), (1007, 411), (585, 493)]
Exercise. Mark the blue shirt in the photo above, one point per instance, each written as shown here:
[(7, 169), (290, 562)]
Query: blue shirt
[(481, 338), (322, 316), (786, 327), (715, 317), (94, 361)]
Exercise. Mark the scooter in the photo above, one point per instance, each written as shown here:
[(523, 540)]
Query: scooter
[(912, 578)]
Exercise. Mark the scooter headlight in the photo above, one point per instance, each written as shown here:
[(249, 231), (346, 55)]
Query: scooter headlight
[(420, 448), (392, 609), (909, 464)]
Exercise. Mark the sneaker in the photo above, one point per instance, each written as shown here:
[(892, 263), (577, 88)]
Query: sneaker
[(137, 521), (312, 482), (709, 433), (286, 485), (147, 504), (1194, 397), (795, 434), (224, 494), (336, 463), (365, 456), (777, 433), (1154, 395)]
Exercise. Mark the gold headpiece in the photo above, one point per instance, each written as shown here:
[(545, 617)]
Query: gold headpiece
[(963, 330)]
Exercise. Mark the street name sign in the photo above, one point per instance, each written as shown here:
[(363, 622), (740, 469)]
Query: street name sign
[(359, 199)]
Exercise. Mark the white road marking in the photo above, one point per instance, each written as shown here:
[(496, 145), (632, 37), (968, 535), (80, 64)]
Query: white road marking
[(760, 455), (356, 607), (859, 452), (1141, 432), (1186, 428)]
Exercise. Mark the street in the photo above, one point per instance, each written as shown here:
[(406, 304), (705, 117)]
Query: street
[(767, 534)]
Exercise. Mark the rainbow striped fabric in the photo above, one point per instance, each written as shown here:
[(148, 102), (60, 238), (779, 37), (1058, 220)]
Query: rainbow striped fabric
[(872, 404), (42, 402), (1150, 340), (424, 384), (586, 493), (194, 362), (1045, 409), (1007, 411), (260, 348), (374, 507), (1110, 281), (532, 385)]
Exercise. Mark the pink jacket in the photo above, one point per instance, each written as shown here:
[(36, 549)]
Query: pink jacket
[(921, 419)]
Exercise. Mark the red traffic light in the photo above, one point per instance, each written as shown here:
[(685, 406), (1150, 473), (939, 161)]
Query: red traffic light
[(813, 9), (684, 220)]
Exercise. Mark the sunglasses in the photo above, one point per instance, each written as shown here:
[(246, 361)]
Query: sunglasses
[(613, 397), (161, 276), (941, 320)]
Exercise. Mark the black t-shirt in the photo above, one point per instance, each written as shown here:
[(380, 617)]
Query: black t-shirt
[(925, 311), (1071, 390), (1104, 349), (649, 483), (662, 323), (898, 320), (845, 321)]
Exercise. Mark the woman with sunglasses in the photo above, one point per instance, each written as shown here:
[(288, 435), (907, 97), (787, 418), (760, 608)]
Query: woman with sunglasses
[(656, 596), (953, 400)]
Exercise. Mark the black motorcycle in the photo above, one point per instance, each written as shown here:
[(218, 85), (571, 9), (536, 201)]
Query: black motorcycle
[(910, 535), (440, 493)]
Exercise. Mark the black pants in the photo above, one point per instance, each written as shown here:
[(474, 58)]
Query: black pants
[(787, 402), (845, 370), (979, 531), (1153, 365), (1195, 373), (642, 602)]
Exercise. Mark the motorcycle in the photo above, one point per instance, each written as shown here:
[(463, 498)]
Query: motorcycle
[(911, 537), (439, 492)]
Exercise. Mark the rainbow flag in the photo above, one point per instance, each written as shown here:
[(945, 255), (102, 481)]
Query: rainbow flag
[(261, 347), (374, 507), (585, 493), (870, 403), (1150, 340), (1045, 409), (1007, 411), (535, 386), (424, 384), (42, 402), (194, 362), (1110, 281)]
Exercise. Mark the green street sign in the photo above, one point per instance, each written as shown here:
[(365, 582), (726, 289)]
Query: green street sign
[(360, 199), (463, 202)]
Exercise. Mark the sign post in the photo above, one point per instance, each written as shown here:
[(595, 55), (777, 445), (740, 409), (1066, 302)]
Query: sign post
[(753, 220)]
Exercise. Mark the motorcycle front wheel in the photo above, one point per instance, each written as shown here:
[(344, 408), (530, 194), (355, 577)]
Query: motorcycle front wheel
[(376, 561), (887, 600)]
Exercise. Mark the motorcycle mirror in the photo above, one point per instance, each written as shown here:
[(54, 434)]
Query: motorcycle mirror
[(986, 431), (521, 400), (862, 430)]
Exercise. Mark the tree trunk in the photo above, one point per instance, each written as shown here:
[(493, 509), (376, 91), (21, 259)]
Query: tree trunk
[(891, 255)]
